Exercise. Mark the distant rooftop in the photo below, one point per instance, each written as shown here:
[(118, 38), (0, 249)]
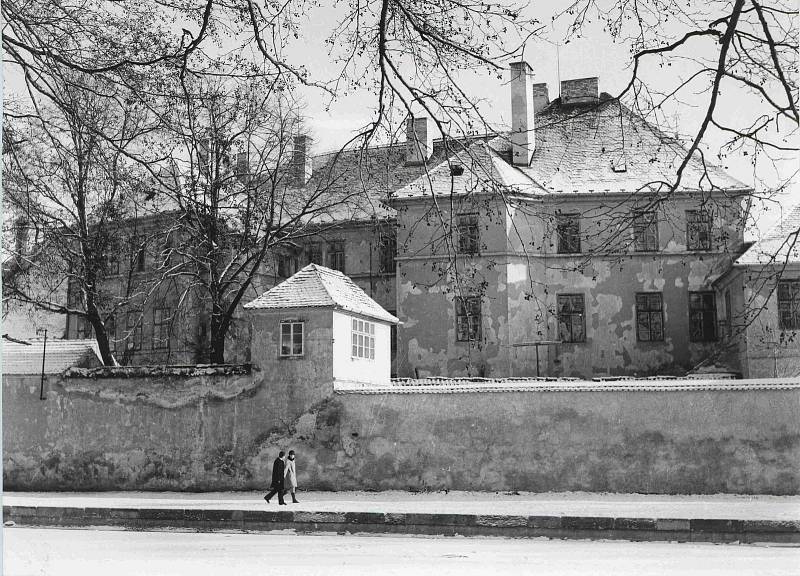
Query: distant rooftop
[(779, 245), (318, 287), (60, 354)]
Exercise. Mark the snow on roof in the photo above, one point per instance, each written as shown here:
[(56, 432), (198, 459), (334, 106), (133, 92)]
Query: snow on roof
[(21, 358), (780, 245), (318, 287)]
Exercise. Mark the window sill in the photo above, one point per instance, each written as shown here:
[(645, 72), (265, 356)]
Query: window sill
[(293, 357)]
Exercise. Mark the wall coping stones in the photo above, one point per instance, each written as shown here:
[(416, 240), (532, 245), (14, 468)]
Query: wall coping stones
[(186, 371), (466, 385)]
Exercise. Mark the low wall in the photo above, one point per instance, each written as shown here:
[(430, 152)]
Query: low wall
[(221, 432)]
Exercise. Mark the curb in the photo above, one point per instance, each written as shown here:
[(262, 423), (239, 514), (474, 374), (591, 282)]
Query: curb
[(572, 527)]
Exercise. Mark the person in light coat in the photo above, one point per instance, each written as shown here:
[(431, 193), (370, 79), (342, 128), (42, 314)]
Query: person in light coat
[(290, 482)]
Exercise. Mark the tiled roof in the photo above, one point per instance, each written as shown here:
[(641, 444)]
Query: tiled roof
[(484, 168), (60, 355), (591, 148), (318, 287), (607, 147), (377, 171), (780, 245)]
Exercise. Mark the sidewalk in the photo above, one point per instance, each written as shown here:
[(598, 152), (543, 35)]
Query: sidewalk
[(563, 515)]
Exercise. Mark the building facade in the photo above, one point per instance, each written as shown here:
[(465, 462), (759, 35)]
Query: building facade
[(563, 248)]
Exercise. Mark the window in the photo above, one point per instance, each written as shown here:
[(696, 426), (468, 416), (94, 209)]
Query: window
[(292, 343), (112, 262), (133, 329), (162, 318), (336, 255), (393, 335), (468, 233), (139, 256), (568, 227), (649, 317), (728, 314), (789, 305), (314, 252), (571, 318), (287, 265), (468, 319), (645, 232), (363, 339), (168, 249), (388, 251), (702, 317), (83, 328), (111, 333), (698, 230)]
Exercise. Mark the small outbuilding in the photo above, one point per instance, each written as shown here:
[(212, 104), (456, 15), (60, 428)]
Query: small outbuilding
[(319, 326)]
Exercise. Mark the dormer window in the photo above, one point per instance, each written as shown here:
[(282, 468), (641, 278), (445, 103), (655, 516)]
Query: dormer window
[(456, 170)]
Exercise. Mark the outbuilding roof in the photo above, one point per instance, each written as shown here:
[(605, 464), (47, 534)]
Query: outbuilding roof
[(780, 245), (21, 358), (318, 287)]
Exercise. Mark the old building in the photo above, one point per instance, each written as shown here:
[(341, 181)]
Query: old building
[(564, 247), (760, 304), (318, 326)]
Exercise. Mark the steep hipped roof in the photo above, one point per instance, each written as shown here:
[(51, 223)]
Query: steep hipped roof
[(60, 355), (600, 147), (318, 287), (780, 245)]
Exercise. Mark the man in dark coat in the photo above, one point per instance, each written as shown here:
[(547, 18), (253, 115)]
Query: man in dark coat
[(278, 468)]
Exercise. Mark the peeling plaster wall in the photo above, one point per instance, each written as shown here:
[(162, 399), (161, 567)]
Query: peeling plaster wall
[(744, 442), (194, 433), (522, 274), (766, 350), (222, 433)]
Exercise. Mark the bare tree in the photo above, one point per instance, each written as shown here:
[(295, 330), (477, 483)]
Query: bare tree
[(238, 196), (72, 191)]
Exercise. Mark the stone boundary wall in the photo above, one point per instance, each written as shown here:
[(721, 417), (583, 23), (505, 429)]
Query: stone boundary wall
[(222, 432)]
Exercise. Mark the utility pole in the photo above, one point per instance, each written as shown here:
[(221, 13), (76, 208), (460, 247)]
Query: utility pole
[(44, 355)]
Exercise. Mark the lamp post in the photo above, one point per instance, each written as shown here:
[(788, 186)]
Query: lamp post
[(44, 355)]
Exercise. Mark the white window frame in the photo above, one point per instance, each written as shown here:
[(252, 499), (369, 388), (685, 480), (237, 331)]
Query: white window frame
[(293, 329), (362, 340)]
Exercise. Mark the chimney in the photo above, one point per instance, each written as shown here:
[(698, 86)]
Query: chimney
[(579, 91), (301, 160), (540, 97), (419, 141), (522, 110)]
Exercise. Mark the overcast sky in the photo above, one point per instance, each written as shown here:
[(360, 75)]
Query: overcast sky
[(332, 123)]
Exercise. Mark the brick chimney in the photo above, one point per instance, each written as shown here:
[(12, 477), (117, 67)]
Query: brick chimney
[(579, 91), (419, 141), (301, 160), (540, 97), (523, 139)]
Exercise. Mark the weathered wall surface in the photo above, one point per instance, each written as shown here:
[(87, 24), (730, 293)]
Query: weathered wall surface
[(659, 442), (520, 274), (222, 433)]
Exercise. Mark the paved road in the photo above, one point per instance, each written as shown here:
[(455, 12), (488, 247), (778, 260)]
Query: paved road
[(56, 552)]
